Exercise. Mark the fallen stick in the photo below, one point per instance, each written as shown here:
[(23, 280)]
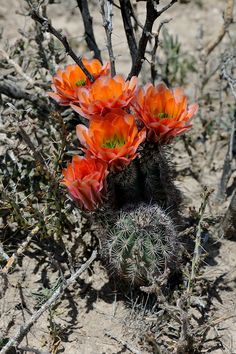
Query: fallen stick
[(25, 328)]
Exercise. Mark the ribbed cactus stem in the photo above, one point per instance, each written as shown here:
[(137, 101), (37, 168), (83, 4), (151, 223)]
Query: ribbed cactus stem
[(142, 244), (127, 185), (157, 178)]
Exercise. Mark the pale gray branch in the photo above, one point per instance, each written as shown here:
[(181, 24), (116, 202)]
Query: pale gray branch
[(25, 328), (106, 11)]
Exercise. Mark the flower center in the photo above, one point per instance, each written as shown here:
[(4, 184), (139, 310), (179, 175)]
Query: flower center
[(81, 82), (161, 115), (114, 142)]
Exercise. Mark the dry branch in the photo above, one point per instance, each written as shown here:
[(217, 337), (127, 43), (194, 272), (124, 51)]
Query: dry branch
[(151, 15), (228, 19), (126, 12), (46, 25), (154, 50), (11, 260), (134, 15), (88, 28), (106, 11), (24, 329)]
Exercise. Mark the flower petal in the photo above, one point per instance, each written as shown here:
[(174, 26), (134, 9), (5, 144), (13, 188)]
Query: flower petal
[(163, 111)]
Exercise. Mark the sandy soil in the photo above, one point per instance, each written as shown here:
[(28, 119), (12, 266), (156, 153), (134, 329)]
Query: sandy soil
[(97, 308)]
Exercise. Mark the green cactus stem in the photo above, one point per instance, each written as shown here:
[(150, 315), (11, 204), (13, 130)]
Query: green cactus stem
[(142, 244)]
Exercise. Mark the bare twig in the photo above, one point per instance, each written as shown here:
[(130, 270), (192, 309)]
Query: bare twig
[(151, 16), (126, 12), (106, 11), (50, 29), (228, 19), (11, 260), (24, 329), (88, 28), (154, 50), (47, 56), (138, 24)]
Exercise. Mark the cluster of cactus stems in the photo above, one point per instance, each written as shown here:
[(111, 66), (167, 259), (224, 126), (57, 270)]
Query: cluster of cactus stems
[(124, 178), (140, 241)]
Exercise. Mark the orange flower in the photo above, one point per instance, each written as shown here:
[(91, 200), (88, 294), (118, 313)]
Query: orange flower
[(163, 111), (105, 94), (85, 180), (66, 83), (113, 139)]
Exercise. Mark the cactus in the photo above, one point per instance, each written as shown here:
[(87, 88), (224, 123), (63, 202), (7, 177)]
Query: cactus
[(141, 241), (127, 186), (157, 176), (142, 244), (146, 180)]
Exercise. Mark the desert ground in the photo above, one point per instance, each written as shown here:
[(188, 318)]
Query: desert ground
[(100, 314)]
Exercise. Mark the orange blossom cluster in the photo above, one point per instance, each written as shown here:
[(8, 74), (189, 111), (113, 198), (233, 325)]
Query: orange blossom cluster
[(113, 108)]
